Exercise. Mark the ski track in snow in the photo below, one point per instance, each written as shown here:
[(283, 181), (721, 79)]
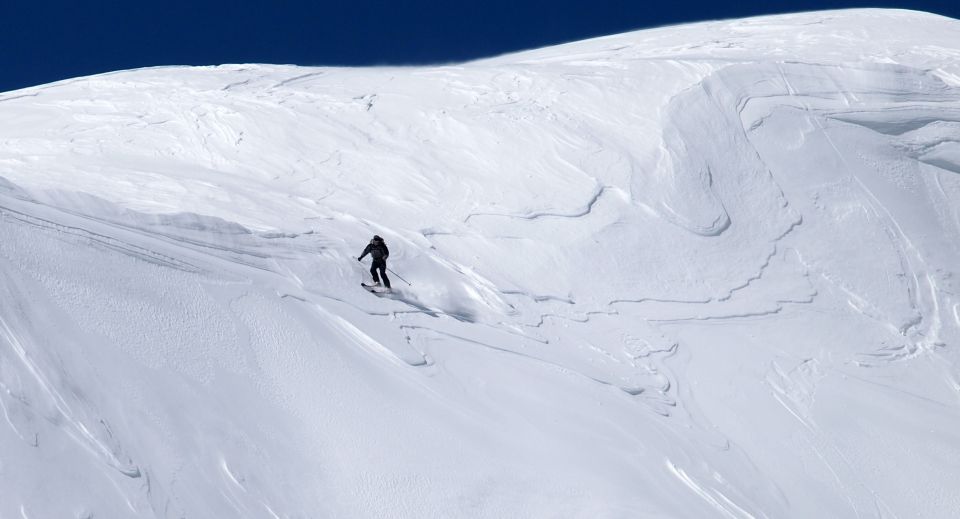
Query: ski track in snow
[(696, 271)]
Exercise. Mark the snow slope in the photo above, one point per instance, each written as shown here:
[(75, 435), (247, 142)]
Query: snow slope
[(696, 271)]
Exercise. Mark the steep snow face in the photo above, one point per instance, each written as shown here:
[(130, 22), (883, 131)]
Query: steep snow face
[(697, 271)]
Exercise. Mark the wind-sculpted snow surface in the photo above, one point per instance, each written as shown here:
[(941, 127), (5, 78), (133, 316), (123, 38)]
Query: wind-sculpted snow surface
[(697, 271)]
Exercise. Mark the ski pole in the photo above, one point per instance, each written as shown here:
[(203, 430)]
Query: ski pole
[(399, 276)]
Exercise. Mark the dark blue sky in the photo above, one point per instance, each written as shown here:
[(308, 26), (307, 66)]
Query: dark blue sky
[(43, 41)]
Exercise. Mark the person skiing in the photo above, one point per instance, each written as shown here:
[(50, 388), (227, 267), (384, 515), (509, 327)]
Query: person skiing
[(377, 250)]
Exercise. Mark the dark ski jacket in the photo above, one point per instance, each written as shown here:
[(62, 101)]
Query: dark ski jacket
[(377, 249)]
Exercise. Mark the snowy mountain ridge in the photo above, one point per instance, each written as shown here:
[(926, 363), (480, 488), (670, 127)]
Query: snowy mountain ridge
[(696, 271)]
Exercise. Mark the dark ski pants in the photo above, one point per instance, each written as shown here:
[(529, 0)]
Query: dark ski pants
[(380, 265)]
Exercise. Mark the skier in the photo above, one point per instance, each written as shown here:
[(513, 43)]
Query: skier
[(378, 250)]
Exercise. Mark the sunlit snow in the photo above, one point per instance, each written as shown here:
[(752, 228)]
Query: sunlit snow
[(696, 271)]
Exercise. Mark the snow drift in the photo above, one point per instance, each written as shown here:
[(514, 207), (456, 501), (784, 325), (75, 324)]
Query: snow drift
[(696, 271)]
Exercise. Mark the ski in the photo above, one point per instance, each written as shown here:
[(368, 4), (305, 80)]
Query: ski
[(374, 289)]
